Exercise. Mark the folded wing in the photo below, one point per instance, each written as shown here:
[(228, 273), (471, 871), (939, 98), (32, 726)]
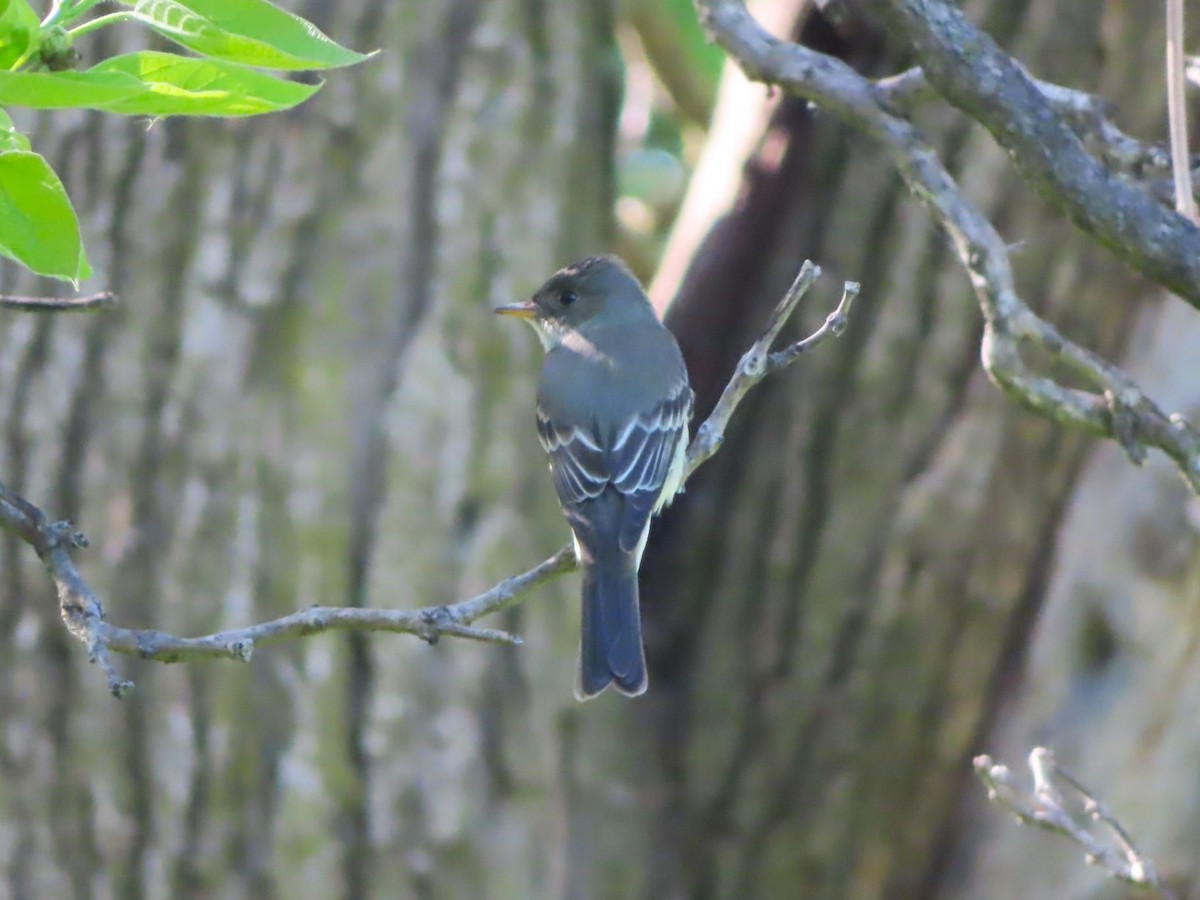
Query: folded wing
[(635, 459)]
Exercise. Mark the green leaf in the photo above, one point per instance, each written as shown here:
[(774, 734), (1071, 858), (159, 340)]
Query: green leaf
[(251, 32), (66, 90), (10, 138), (156, 84), (19, 27), (38, 227), (178, 85)]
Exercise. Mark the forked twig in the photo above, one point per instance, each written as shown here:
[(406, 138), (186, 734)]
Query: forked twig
[(1044, 807)]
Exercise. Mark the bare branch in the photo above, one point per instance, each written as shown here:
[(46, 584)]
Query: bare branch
[(1044, 807), (83, 613), (759, 361), (79, 607), (1148, 164), (102, 300), (1089, 116), (993, 89), (1115, 407)]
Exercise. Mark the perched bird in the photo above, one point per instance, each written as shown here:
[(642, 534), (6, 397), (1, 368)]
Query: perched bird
[(613, 406)]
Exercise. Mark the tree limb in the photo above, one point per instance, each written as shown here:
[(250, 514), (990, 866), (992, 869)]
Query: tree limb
[(83, 614), (1044, 807), (1150, 165), (102, 300), (1115, 407), (966, 67), (1088, 115)]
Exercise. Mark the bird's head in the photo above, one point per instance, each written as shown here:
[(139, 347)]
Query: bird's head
[(595, 290)]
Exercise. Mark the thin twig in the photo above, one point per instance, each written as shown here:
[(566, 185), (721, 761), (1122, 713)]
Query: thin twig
[(1185, 202), (1044, 807), (102, 300), (83, 613), (759, 361)]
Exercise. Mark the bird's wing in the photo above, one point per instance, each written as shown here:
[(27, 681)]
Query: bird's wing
[(641, 457), (576, 460), (635, 460)]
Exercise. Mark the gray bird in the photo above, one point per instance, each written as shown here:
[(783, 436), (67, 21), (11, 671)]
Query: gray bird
[(613, 407)]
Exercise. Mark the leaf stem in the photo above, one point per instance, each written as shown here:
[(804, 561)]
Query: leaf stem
[(65, 11), (53, 15), (22, 59), (80, 30)]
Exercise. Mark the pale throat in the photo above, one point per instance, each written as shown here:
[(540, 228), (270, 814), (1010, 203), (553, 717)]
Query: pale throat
[(549, 331)]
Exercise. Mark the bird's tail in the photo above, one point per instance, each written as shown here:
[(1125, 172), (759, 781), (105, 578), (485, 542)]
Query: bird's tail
[(610, 644)]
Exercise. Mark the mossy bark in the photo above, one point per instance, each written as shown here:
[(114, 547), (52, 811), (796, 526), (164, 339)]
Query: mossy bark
[(841, 604), (304, 398)]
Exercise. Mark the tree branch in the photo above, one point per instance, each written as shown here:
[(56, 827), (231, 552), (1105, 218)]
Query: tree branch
[(759, 362), (1089, 116), (966, 67), (83, 614), (1115, 407), (79, 607), (1043, 806), (102, 300), (1150, 165)]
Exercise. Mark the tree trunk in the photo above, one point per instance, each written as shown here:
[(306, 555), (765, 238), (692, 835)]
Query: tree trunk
[(304, 399), (841, 603)]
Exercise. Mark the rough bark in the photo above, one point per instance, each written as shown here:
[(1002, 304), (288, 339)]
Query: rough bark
[(842, 601), (303, 399)]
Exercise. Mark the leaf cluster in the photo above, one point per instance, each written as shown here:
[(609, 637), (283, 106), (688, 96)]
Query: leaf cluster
[(233, 41)]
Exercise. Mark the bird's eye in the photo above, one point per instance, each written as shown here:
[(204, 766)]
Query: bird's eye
[(568, 297)]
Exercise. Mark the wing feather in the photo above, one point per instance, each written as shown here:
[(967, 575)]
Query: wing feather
[(636, 460), (576, 461), (643, 460)]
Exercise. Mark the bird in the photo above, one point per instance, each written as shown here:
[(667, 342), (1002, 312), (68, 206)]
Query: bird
[(613, 408)]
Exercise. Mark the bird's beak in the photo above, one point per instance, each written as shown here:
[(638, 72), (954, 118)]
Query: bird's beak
[(526, 309)]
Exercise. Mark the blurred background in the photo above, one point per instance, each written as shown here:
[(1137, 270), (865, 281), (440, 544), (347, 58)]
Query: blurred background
[(304, 399)]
